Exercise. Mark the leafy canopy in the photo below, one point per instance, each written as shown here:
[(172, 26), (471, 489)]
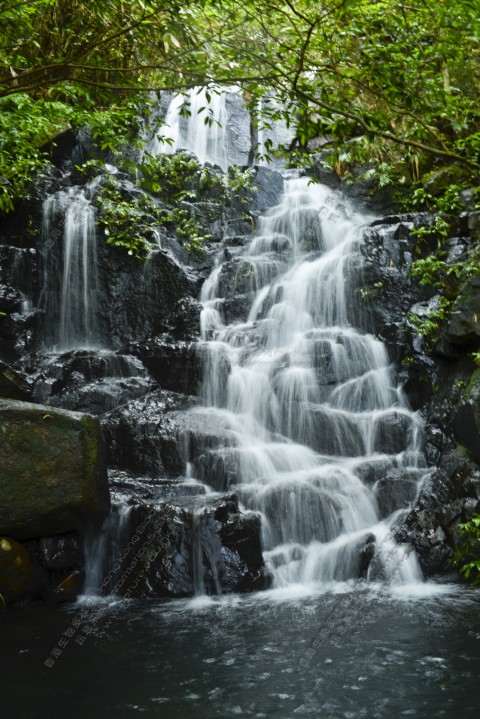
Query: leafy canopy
[(393, 83)]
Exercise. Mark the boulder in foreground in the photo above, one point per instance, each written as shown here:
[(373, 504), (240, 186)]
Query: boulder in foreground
[(53, 473)]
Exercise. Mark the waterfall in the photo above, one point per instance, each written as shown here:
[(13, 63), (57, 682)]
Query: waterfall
[(318, 421), (70, 285), (196, 122)]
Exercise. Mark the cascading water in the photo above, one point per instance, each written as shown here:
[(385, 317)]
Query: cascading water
[(310, 399), (70, 280), (195, 122)]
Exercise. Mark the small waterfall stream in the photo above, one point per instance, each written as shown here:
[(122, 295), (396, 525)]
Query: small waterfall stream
[(70, 271), (196, 122), (311, 400)]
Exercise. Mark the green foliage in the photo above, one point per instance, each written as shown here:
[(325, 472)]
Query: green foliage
[(127, 222), (368, 293), (181, 177), (25, 126), (238, 188), (115, 128), (433, 271), (450, 200), (394, 86), (173, 177), (170, 180), (467, 552), (130, 223), (430, 270), (429, 326), (439, 230)]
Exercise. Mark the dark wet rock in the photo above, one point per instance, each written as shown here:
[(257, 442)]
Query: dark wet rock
[(53, 471), (10, 299), (238, 242), (208, 215), (141, 435), (103, 395), (462, 332), (449, 495), (19, 291), (372, 470), (466, 418), (269, 189), (60, 148), (340, 433), (366, 555), (155, 436), (13, 385), (392, 432), (19, 578), (127, 488), (236, 308), (91, 381), (238, 228), (202, 430), (201, 544), (172, 363), (389, 291), (68, 589), (238, 130), (331, 435), (17, 333), (323, 174), (62, 552), (473, 224), (449, 397), (219, 468), (184, 320), (437, 443), (18, 269), (330, 366), (420, 375), (246, 275), (140, 295), (396, 490)]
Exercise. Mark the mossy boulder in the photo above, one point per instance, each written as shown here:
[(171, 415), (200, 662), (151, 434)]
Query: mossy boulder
[(52, 471)]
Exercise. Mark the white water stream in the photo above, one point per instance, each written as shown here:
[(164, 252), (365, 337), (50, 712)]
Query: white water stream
[(196, 122), (71, 308), (311, 400)]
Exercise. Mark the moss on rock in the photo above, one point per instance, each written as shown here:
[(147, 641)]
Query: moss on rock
[(53, 470)]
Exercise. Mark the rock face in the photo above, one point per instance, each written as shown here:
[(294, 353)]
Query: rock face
[(53, 470), (464, 325), (188, 545), (466, 418), (449, 495), (13, 385), (439, 376)]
